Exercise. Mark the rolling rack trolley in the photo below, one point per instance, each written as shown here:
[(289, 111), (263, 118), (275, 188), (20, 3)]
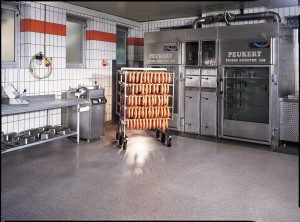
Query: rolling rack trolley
[(143, 100)]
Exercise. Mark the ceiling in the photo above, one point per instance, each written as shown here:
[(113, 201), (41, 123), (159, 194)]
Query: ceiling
[(159, 10)]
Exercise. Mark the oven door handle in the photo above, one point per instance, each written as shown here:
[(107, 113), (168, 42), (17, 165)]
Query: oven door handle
[(221, 87)]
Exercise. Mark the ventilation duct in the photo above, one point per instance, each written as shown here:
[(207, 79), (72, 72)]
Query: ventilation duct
[(230, 17)]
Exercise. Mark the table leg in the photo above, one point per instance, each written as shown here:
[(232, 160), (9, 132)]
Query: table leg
[(48, 117), (78, 122)]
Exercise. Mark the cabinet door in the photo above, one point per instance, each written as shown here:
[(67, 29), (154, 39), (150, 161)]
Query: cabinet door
[(209, 113), (192, 121), (192, 81), (209, 81)]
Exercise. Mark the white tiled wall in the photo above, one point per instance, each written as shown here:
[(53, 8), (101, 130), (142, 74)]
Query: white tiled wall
[(62, 78)]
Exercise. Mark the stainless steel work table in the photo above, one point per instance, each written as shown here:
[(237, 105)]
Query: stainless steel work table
[(40, 103)]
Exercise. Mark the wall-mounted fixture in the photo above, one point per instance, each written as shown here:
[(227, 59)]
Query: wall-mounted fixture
[(36, 61)]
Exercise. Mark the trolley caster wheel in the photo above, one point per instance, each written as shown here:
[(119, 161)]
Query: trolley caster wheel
[(117, 135), (121, 140), (163, 138), (157, 134), (169, 143), (125, 145)]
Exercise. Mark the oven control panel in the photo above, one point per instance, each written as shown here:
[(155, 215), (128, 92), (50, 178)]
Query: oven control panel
[(99, 100)]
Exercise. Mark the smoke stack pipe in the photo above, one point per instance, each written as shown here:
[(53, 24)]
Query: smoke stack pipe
[(229, 17)]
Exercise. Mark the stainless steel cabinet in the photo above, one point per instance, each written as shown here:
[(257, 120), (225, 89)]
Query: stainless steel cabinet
[(209, 113), (192, 110), (209, 81), (192, 81), (208, 102)]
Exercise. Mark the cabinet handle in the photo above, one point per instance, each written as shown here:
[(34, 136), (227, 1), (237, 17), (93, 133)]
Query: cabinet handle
[(189, 124), (204, 126), (204, 98), (221, 87), (189, 97), (205, 78), (189, 77)]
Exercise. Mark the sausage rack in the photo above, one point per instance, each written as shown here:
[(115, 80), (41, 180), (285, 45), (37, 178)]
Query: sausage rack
[(143, 100)]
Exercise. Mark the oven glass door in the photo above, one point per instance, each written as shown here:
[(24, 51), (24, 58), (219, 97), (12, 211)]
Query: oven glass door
[(246, 102)]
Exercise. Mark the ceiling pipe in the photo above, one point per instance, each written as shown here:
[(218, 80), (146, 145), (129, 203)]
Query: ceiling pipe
[(230, 17)]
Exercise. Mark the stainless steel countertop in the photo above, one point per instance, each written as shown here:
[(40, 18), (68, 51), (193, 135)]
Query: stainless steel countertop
[(38, 105)]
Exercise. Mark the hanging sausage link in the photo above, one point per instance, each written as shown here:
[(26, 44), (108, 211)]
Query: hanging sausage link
[(147, 101)]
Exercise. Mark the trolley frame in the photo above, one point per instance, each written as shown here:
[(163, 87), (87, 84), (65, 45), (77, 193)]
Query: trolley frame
[(121, 130)]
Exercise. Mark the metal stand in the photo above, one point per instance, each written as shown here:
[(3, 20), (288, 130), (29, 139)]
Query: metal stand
[(123, 91), (43, 102)]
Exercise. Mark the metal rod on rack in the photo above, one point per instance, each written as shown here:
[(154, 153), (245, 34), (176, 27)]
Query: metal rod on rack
[(173, 96), (78, 122), (122, 84), (125, 107)]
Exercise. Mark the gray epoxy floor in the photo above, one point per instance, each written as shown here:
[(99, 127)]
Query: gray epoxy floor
[(192, 180)]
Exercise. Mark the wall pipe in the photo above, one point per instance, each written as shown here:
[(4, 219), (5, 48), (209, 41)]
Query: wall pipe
[(230, 17)]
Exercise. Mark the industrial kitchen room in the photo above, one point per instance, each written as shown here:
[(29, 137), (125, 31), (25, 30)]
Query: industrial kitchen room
[(183, 110)]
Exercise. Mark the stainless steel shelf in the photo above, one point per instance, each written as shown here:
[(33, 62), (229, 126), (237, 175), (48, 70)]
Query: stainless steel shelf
[(38, 105), (39, 142), (43, 102)]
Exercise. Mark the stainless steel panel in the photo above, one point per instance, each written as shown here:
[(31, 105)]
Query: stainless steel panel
[(97, 121), (162, 53), (247, 130), (208, 113), (209, 81), (37, 105), (201, 34), (84, 123), (289, 121), (287, 44), (95, 93), (192, 72), (237, 51), (192, 81), (209, 71), (251, 31), (192, 99)]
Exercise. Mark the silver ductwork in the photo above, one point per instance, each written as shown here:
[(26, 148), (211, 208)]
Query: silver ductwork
[(230, 17)]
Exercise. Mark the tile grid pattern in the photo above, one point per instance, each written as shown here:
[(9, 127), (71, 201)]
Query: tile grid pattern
[(96, 50), (62, 78)]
